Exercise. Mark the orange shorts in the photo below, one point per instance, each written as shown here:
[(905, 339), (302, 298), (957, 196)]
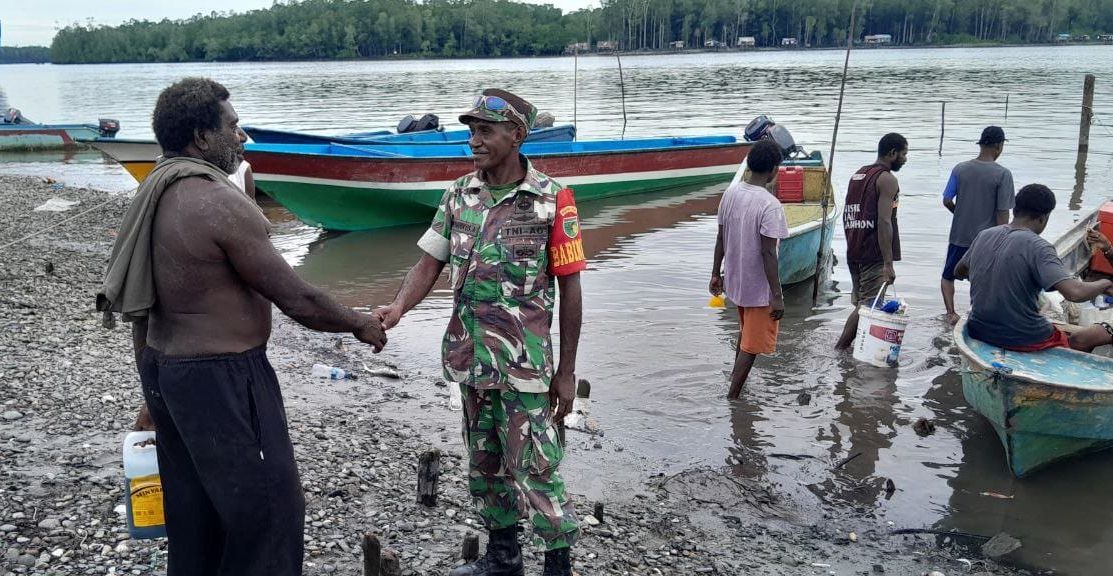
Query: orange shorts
[(759, 330)]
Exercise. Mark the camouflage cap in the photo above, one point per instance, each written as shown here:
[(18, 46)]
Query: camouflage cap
[(495, 105)]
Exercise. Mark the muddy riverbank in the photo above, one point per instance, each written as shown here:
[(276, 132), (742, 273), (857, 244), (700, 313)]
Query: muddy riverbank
[(69, 393)]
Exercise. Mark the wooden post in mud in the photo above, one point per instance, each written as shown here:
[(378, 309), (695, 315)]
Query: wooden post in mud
[(390, 564), (1087, 119), (942, 127), (1083, 141), (372, 555), (428, 474)]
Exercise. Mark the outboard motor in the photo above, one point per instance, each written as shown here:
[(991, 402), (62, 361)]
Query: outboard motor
[(757, 128), (544, 120), (426, 122), (108, 127), (763, 128), (784, 139)]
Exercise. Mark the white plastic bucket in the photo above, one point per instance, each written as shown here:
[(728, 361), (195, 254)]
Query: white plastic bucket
[(879, 335)]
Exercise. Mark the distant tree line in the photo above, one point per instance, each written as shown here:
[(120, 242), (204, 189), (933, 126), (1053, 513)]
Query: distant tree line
[(24, 55), (349, 29)]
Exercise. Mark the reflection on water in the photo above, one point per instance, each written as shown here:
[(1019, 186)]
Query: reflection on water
[(658, 358)]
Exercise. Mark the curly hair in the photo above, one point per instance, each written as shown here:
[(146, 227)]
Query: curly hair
[(764, 157), (187, 105), (1034, 201)]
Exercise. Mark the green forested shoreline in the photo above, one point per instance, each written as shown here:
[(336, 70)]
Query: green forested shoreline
[(349, 29), (24, 55)]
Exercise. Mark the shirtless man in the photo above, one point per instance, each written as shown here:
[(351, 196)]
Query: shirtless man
[(232, 497)]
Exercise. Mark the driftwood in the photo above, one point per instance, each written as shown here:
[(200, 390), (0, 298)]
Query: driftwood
[(428, 474)]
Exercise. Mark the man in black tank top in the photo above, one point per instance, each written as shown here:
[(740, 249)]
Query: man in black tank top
[(870, 223)]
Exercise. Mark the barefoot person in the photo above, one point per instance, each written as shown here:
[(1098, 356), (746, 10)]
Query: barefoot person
[(870, 223), (509, 234), (1009, 265), (984, 193), (194, 271), (751, 224)]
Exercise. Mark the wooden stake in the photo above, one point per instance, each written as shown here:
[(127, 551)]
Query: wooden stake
[(1006, 107), (469, 551), (598, 513), (622, 86), (372, 555), (942, 127), (428, 474), (1087, 119), (831, 158), (390, 565)]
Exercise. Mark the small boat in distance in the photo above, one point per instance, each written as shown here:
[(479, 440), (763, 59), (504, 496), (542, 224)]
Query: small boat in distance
[(562, 133), (1045, 406), (342, 187), (19, 133)]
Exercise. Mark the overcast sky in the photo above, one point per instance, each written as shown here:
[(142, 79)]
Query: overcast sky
[(33, 22)]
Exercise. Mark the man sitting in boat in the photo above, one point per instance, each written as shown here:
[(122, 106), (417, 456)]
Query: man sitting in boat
[(1008, 266)]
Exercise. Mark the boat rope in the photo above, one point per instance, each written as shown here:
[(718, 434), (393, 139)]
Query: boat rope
[(56, 224)]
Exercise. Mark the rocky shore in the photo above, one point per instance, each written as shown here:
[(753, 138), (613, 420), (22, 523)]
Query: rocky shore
[(69, 393)]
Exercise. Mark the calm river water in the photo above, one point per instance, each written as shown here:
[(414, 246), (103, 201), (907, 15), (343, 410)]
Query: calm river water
[(656, 355)]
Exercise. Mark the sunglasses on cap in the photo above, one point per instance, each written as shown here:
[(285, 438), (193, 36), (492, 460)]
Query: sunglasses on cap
[(497, 105)]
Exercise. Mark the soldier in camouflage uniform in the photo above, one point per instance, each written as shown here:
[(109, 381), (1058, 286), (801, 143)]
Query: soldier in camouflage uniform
[(507, 232)]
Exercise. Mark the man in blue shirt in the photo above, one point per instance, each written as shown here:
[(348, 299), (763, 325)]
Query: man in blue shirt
[(984, 193)]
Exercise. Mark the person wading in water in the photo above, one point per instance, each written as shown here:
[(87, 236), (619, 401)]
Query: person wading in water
[(870, 223)]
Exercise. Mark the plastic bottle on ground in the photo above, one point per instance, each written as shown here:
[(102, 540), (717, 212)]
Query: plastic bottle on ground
[(455, 400), (330, 372)]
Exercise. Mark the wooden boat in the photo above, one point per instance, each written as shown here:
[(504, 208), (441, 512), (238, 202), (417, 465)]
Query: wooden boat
[(796, 254), (31, 136), (1045, 406), (341, 187), (136, 156), (563, 133)]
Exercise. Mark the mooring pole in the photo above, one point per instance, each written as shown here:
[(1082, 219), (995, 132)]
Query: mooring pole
[(1006, 107), (575, 83), (1087, 119), (1083, 141), (827, 189), (942, 127), (622, 86)]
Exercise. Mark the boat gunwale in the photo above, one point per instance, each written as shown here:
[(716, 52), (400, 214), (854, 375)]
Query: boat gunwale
[(412, 159), (973, 358)]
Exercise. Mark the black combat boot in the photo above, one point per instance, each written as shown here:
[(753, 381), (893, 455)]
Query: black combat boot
[(557, 563), (503, 557)]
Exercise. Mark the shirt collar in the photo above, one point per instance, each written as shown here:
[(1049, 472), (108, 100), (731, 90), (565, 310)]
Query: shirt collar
[(534, 182)]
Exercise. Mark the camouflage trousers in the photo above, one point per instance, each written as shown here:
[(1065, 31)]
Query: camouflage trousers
[(513, 454)]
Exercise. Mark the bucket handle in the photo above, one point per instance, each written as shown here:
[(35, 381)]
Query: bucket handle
[(880, 293)]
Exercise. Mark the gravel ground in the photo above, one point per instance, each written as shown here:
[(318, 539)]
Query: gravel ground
[(69, 393)]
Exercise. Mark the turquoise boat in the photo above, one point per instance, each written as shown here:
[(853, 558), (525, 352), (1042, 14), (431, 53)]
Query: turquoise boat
[(796, 255), (1045, 406)]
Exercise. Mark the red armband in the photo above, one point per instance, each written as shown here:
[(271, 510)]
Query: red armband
[(566, 246)]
